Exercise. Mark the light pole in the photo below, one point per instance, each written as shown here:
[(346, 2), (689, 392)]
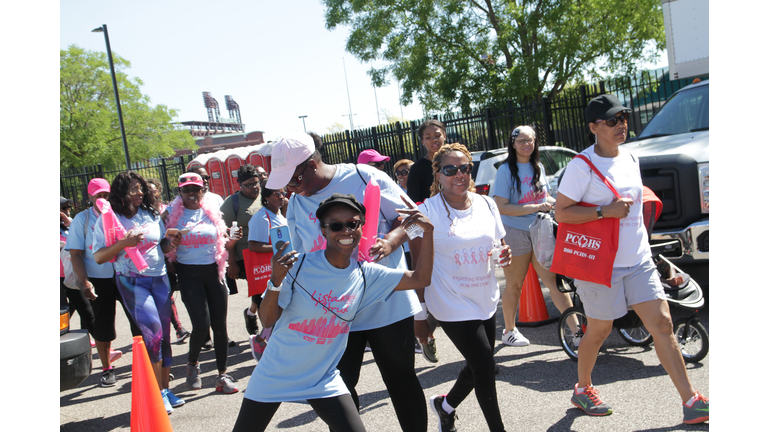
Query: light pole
[(103, 29), (305, 124)]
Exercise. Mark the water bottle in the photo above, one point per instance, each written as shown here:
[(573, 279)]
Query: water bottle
[(496, 253), (233, 230), (413, 230)]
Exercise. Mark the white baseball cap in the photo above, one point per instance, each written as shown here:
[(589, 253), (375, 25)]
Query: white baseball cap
[(287, 153)]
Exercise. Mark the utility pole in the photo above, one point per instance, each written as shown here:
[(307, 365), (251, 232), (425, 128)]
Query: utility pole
[(351, 125)]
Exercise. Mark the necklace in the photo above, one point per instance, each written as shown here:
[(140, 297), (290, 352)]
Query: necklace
[(458, 218)]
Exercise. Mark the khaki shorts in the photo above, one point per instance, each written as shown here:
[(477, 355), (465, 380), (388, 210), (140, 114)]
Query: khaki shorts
[(518, 240), (629, 286)]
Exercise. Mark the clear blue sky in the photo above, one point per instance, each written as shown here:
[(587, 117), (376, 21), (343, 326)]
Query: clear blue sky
[(276, 59)]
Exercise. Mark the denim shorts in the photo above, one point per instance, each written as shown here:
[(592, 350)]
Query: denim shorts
[(629, 286)]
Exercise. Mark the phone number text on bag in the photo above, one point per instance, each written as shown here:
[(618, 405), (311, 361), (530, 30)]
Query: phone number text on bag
[(579, 253)]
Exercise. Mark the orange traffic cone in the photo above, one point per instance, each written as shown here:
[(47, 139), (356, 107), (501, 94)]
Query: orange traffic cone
[(147, 409), (533, 310)]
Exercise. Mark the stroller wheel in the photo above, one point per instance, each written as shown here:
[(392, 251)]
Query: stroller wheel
[(570, 339), (693, 341), (638, 336)]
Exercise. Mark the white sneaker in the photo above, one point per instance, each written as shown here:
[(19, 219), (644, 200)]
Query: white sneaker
[(514, 338)]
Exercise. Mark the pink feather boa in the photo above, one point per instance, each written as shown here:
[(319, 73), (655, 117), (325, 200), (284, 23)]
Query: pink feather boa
[(176, 210)]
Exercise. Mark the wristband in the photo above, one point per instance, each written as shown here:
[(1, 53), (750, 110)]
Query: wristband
[(421, 316), (272, 287)]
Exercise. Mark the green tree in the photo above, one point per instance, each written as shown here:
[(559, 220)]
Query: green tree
[(470, 53), (89, 126), (335, 128)]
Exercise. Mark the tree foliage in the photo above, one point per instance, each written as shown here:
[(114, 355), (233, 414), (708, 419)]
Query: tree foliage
[(470, 53), (89, 125)]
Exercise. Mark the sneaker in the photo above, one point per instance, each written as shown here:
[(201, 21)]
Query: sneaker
[(193, 377), (166, 402), (367, 347), (429, 351), (173, 399), (114, 355), (108, 378), (93, 344), (182, 335), (257, 347), (232, 343), (698, 412), (445, 420), (208, 345), (417, 350), (514, 338), (251, 323), (590, 402), (225, 384)]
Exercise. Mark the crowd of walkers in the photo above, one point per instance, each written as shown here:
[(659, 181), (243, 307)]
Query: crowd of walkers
[(321, 306)]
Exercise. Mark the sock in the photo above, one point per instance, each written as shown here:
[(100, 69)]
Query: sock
[(447, 408), (266, 333), (249, 313), (106, 368), (691, 401), (581, 389)]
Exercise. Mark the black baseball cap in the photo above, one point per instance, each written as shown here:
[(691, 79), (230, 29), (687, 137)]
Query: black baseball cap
[(337, 198), (604, 107)]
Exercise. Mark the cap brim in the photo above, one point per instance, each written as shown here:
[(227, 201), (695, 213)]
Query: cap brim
[(613, 111), (98, 191), (279, 180)]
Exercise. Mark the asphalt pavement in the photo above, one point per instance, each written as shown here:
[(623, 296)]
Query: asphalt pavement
[(534, 385)]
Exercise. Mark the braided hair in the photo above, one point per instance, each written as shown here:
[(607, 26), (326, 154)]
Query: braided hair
[(437, 163)]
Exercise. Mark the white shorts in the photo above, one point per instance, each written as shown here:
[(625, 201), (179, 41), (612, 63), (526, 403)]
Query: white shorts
[(629, 286)]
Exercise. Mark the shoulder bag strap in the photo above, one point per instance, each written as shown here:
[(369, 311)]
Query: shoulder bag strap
[(236, 203), (599, 174)]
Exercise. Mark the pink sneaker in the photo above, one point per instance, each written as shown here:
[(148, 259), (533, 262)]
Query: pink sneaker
[(257, 347), (114, 355)]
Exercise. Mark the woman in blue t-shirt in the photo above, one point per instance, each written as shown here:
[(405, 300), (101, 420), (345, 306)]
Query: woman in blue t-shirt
[(201, 262), (272, 200), (147, 294), (312, 310), (520, 191)]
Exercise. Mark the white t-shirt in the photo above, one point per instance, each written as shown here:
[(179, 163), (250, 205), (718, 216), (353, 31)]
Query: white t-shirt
[(306, 236), (215, 198), (464, 285), (580, 184), (308, 340)]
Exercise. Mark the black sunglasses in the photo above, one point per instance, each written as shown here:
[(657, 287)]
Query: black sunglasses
[(403, 172), (613, 121), (190, 189), (451, 170), (350, 225)]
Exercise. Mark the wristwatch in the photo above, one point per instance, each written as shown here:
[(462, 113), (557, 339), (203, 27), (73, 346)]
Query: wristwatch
[(600, 212), (272, 287)]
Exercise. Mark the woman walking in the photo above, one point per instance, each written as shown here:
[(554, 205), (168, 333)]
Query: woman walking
[(147, 294), (200, 262), (464, 293), (634, 281)]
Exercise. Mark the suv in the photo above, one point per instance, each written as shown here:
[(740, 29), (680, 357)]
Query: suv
[(75, 353), (487, 163), (673, 151)]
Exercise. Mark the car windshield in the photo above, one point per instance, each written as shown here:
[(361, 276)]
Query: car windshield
[(687, 111)]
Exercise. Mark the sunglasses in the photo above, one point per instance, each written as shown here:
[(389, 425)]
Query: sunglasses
[(253, 185), (191, 189), (297, 182), (613, 121), (451, 170), (206, 178), (350, 225), (402, 173), (378, 164)]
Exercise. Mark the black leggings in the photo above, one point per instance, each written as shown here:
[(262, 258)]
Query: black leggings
[(338, 412), (475, 341), (206, 301), (392, 348)]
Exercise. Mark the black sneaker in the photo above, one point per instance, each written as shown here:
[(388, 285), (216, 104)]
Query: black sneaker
[(182, 335), (208, 345), (446, 421), (251, 323), (108, 378), (232, 343)]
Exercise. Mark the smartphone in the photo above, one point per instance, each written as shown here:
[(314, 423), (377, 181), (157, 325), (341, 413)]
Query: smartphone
[(172, 231), (279, 235)]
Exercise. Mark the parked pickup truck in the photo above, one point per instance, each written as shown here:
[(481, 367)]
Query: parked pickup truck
[(673, 150)]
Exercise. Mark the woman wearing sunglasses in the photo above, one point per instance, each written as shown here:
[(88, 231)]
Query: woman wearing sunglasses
[(272, 200), (325, 292), (634, 281), (402, 169), (464, 293), (201, 262), (521, 192), (388, 329), (146, 294)]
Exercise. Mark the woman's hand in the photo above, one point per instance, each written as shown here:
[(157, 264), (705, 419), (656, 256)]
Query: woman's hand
[(505, 257), (544, 207), (415, 217), (233, 240), (281, 264), (380, 249), (65, 220), (132, 239), (619, 208), (233, 270), (174, 239), (89, 291), (421, 331)]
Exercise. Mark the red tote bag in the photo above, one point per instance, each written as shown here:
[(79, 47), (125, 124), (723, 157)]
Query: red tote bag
[(258, 269), (587, 251)]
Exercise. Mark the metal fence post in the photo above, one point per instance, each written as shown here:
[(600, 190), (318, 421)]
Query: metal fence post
[(491, 129)]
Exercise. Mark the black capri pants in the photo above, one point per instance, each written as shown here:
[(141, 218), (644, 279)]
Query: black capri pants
[(338, 412)]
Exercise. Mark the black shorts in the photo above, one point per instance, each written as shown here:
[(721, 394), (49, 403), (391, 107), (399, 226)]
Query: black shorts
[(104, 309)]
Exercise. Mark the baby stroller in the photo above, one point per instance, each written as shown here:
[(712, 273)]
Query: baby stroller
[(681, 291)]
